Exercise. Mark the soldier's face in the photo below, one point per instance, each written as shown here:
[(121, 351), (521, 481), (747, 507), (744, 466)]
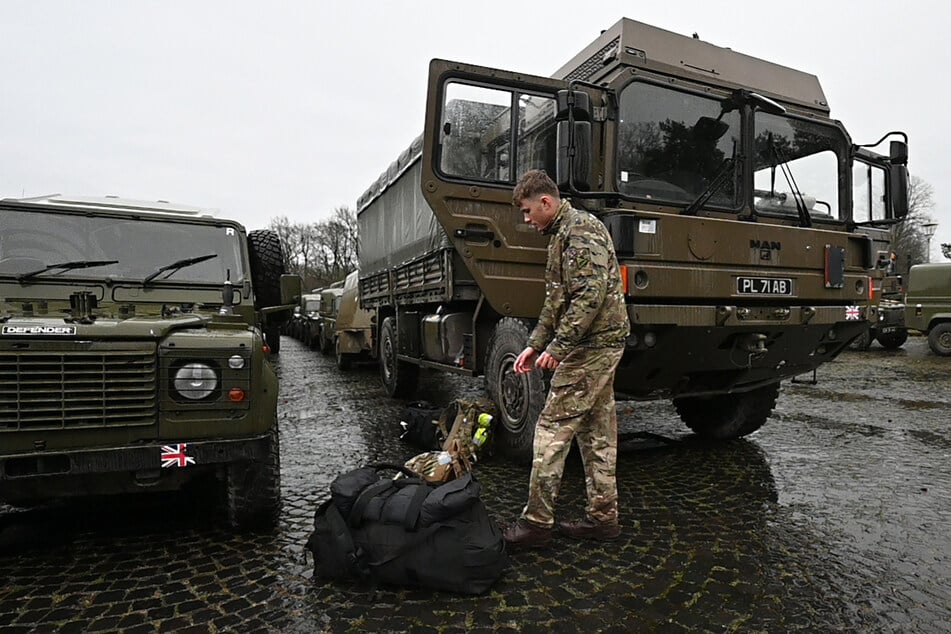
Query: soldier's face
[(539, 211)]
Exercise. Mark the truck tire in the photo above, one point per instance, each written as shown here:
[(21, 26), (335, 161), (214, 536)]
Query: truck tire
[(344, 360), (863, 341), (939, 339), (399, 377), (326, 343), (272, 334), (267, 266), (893, 340), (253, 489), (519, 397), (728, 416)]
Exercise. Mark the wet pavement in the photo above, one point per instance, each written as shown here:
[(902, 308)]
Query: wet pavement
[(835, 516)]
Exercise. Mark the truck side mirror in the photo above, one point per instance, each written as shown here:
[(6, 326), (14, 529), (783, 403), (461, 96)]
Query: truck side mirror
[(291, 288), (573, 166), (574, 104), (898, 175)]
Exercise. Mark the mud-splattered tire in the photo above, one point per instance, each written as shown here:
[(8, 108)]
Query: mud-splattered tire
[(344, 360), (939, 339), (267, 266), (727, 416), (400, 378), (893, 340), (519, 397), (862, 342), (253, 489)]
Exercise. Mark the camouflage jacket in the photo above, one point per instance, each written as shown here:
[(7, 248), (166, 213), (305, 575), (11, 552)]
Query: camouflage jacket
[(584, 298)]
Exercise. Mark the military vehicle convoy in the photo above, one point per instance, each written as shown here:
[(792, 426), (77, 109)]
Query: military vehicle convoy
[(133, 353), (733, 199), (928, 304)]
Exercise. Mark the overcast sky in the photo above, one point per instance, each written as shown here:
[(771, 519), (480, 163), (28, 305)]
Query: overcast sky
[(293, 108)]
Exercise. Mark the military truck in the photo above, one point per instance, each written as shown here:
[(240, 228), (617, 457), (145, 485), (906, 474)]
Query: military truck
[(353, 338), (329, 305), (928, 304), (133, 353), (308, 320), (887, 324), (726, 186)]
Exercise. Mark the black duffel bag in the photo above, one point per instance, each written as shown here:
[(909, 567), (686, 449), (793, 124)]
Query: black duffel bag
[(407, 532), (420, 425)]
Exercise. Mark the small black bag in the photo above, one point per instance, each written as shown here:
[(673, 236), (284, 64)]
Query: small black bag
[(420, 428), (407, 532)]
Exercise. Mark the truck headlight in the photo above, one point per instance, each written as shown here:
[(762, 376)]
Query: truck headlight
[(195, 381)]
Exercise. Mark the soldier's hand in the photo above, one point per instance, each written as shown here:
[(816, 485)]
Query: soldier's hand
[(546, 362), (525, 361)]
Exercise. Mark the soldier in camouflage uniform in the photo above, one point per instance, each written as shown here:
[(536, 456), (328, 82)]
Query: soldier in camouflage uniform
[(580, 335)]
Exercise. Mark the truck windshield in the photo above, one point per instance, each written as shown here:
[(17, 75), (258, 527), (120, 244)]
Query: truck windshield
[(796, 158), (672, 143), (132, 249)]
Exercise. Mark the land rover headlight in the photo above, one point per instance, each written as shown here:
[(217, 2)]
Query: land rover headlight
[(195, 381)]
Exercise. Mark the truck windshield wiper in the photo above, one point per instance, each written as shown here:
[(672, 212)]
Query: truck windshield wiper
[(179, 264), (783, 164), (722, 176), (65, 266)]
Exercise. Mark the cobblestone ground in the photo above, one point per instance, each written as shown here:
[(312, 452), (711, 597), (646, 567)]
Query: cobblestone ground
[(834, 517)]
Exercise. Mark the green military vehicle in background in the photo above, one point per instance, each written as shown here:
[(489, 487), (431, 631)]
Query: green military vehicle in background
[(305, 325), (733, 198), (133, 352), (329, 305), (928, 304), (353, 337), (887, 298)]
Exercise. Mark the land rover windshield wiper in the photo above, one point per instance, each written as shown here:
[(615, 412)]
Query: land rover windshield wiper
[(177, 265), (65, 266)]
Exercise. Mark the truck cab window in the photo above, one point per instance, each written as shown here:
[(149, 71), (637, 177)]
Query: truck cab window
[(868, 192), (480, 139), (671, 144), (796, 159)]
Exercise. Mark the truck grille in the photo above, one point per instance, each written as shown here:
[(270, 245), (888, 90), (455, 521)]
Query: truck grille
[(72, 385)]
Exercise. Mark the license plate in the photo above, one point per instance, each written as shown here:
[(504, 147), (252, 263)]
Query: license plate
[(764, 285)]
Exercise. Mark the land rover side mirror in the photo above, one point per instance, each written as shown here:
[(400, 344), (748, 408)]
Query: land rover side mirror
[(898, 175), (573, 164), (291, 285)]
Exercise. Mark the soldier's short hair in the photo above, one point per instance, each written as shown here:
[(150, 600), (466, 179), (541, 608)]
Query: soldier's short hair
[(532, 184)]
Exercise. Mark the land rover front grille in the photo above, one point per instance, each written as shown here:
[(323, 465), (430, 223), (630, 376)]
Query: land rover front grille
[(72, 385)]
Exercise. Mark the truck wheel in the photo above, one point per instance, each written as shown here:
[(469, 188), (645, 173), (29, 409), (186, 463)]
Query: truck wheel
[(939, 339), (893, 340), (519, 397), (727, 416), (267, 266), (272, 334), (326, 344), (344, 361), (253, 489), (399, 378), (862, 342)]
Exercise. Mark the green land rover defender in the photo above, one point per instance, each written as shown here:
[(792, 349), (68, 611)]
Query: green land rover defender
[(133, 352)]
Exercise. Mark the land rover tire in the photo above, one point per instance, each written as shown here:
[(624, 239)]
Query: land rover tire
[(727, 416), (939, 339), (399, 377), (267, 266), (253, 489), (519, 397), (863, 341), (893, 340)]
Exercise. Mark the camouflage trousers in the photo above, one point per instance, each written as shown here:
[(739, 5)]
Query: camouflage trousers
[(580, 406)]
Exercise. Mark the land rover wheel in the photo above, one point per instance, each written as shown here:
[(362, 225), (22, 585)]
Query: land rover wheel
[(939, 339), (519, 397), (893, 340), (862, 342), (267, 266), (253, 489), (344, 360), (272, 334), (399, 377), (727, 416)]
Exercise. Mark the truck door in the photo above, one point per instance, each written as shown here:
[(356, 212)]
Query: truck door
[(484, 129)]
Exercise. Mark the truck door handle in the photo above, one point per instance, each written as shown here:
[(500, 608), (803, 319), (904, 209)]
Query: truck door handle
[(482, 235)]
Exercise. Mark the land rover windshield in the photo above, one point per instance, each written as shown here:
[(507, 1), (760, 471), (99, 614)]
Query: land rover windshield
[(118, 248), (676, 145)]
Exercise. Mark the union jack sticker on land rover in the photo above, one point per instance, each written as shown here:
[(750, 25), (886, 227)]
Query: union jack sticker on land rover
[(38, 330), (852, 312)]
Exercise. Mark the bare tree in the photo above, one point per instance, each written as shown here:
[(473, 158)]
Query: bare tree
[(946, 250), (908, 240), (320, 252)]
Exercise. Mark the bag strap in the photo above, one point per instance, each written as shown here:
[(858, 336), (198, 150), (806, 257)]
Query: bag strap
[(382, 466), (411, 519), (353, 555), (359, 506), (420, 537)]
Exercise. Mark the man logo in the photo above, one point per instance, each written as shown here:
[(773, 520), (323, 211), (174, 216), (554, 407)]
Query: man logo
[(766, 248)]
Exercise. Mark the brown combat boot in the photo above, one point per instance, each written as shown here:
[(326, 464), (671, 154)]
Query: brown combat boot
[(522, 534), (589, 529)]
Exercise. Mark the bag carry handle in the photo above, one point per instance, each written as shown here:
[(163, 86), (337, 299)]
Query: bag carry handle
[(381, 466)]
